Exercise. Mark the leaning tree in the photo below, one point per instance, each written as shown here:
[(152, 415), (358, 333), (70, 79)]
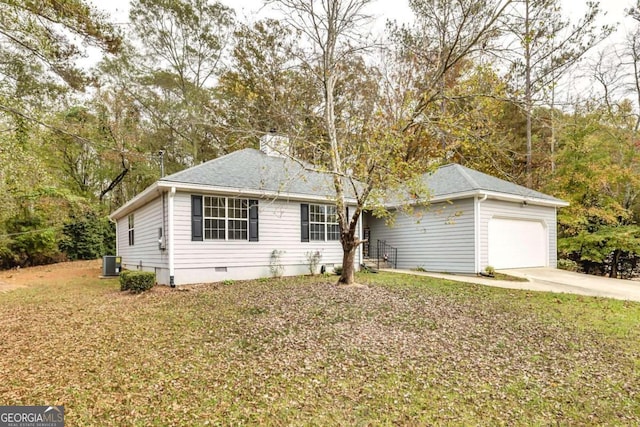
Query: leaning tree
[(366, 127)]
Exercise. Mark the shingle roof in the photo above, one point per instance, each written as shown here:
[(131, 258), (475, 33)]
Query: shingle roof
[(252, 169), (455, 179)]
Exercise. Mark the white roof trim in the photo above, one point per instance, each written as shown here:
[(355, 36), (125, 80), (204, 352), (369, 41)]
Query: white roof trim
[(158, 187), (530, 200), (249, 192), (495, 196), (147, 195)]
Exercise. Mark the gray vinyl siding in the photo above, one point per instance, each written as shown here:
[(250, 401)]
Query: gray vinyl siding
[(196, 262), (510, 210), (438, 238), (279, 229), (145, 254)]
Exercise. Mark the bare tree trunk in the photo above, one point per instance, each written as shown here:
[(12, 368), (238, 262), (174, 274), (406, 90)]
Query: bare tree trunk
[(614, 264), (333, 29), (350, 245), (553, 144), (114, 183), (527, 92), (329, 77), (529, 148), (348, 269), (553, 126)]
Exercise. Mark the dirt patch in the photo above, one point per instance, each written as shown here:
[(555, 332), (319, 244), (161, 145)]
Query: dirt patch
[(6, 287), (24, 277)]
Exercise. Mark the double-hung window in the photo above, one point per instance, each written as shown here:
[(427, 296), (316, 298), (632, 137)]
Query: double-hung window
[(333, 228), (130, 219), (319, 223), (223, 218), (214, 218), (238, 219)]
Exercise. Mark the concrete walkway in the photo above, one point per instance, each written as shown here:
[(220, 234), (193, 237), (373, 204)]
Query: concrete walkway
[(550, 280)]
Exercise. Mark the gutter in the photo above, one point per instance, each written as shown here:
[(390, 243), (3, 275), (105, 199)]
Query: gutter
[(158, 187), (493, 195), (229, 191), (148, 194)]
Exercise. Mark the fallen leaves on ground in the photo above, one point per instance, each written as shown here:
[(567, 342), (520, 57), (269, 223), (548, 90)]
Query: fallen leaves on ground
[(401, 350)]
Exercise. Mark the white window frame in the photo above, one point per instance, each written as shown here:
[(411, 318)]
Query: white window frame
[(333, 227), (131, 229), (241, 208), (229, 217), (208, 205), (325, 211)]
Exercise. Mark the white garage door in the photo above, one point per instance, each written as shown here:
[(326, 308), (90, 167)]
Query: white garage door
[(517, 243)]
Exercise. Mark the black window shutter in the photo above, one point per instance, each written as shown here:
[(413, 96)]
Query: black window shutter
[(253, 220), (196, 218), (304, 222)]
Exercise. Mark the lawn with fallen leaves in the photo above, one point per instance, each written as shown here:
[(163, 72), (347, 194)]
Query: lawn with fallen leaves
[(305, 351)]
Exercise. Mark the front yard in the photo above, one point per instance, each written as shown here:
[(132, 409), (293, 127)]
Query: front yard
[(401, 350)]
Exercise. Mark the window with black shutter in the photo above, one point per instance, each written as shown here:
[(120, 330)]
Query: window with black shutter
[(304, 222), (253, 220), (223, 218), (319, 223), (196, 219)]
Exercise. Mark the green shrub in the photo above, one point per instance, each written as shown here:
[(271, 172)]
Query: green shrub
[(137, 281), (124, 282), (29, 241), (567, 264), (337, 269), (87, 236)]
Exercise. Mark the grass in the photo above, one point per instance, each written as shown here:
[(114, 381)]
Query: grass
[(502, 276), (303, 351)]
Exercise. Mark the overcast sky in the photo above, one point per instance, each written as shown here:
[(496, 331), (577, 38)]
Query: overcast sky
[(395, 10), (386, 9)]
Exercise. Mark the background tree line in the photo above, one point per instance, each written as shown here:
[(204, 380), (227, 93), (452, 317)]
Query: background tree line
[(485, 83)]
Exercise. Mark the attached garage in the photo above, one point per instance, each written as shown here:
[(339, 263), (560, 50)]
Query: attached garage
[(474, 220), (517, 243)]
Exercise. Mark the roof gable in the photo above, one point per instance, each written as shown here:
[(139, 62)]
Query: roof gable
[(454, 179)]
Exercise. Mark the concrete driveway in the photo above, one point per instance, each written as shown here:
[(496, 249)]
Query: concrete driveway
[(552, 280)]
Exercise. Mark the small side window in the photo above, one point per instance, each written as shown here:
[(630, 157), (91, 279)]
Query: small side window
[(131, 230)]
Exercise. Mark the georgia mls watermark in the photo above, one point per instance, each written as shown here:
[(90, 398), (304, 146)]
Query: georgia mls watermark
[(31, 416)]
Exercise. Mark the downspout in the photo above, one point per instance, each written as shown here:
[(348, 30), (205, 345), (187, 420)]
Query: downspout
[(477, 221), (170, 242), (555, 238), (164, 217)]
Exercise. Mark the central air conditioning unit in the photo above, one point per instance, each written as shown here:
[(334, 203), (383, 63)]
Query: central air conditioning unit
[(111, 265)]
